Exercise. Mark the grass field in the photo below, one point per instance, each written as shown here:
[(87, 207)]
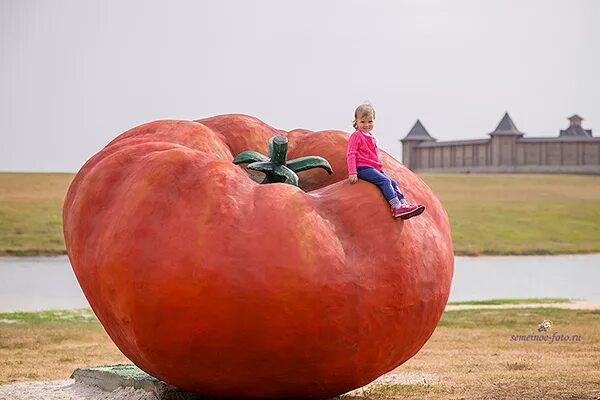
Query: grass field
[(473, 354), (520, 214), (31, 213), (489, 214), (496, 302)]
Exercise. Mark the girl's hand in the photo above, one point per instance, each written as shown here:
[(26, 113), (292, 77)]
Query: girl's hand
[(353, 178)]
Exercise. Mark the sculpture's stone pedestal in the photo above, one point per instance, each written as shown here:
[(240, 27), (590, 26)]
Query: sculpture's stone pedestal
[(112, 377)]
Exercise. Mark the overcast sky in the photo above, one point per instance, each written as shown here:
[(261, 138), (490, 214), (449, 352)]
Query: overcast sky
[(74, 74)]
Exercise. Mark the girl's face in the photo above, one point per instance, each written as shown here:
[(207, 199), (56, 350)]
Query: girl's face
[(365, 123)]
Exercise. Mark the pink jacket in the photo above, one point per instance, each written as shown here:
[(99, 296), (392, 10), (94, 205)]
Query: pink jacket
[(362, 151)]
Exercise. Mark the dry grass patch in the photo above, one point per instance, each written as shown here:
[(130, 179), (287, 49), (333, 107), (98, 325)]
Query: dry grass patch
[(50, 345), (517, 366), (403, 391), (471, 355)]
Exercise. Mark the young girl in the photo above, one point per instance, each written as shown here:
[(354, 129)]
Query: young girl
[(363, 163)]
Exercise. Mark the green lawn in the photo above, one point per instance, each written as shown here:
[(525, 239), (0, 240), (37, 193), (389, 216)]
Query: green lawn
[(31, 213), (489, 214), (520, 213), (496, 302)]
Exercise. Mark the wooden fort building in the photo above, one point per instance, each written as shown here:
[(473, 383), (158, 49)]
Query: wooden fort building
[(507, 149)]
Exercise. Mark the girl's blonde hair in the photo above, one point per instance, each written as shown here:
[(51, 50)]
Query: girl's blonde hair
[(364, 110)]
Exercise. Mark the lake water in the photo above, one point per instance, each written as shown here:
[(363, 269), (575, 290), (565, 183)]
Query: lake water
[(44, 283)]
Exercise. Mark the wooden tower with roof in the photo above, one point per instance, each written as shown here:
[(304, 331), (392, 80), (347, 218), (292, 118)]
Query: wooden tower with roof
[(504, 142), (417, 135), (575, 129)]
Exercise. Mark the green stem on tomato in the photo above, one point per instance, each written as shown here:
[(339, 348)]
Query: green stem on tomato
[(276, 167)]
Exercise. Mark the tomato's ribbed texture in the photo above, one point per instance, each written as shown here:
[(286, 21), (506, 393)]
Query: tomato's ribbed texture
[(214, 283)]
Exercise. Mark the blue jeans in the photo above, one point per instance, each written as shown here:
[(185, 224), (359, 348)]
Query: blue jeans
[(387, 185)]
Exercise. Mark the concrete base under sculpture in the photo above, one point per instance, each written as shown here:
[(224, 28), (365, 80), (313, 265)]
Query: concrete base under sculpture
[(112, 377)]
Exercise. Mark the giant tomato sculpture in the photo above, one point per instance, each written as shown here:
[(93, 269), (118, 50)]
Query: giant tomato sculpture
[(217, 284)]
